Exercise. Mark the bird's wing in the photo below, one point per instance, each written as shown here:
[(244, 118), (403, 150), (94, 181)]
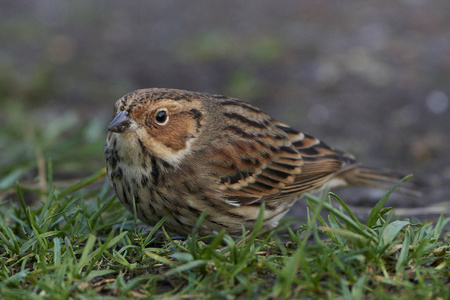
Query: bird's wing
[(320, 164), (272, 165)]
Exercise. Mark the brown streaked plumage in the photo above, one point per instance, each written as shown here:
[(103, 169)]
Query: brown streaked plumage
[(182, 152)]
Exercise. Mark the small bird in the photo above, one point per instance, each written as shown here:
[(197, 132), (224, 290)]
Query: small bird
[(182, 153)]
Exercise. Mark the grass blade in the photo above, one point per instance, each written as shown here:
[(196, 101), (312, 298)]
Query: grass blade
[(403, 257), (375, 213), (83, 183)]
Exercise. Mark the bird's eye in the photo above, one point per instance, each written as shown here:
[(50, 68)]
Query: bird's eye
[(162, 117)]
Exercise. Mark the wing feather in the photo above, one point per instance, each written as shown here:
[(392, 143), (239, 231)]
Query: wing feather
[(265, 160)]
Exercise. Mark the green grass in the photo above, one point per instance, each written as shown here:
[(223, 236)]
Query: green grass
[(80, 243), (61, 239)]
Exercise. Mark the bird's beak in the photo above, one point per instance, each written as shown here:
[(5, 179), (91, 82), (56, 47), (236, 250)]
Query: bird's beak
[(120, 123)]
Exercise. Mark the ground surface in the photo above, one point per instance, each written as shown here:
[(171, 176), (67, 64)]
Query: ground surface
[(370, 77)]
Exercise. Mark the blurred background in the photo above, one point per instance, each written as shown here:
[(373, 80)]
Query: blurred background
[(364, 76)]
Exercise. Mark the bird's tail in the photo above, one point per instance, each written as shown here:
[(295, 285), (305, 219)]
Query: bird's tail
[(360, 176)]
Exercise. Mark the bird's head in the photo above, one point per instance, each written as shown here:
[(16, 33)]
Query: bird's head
[(164, 122)]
